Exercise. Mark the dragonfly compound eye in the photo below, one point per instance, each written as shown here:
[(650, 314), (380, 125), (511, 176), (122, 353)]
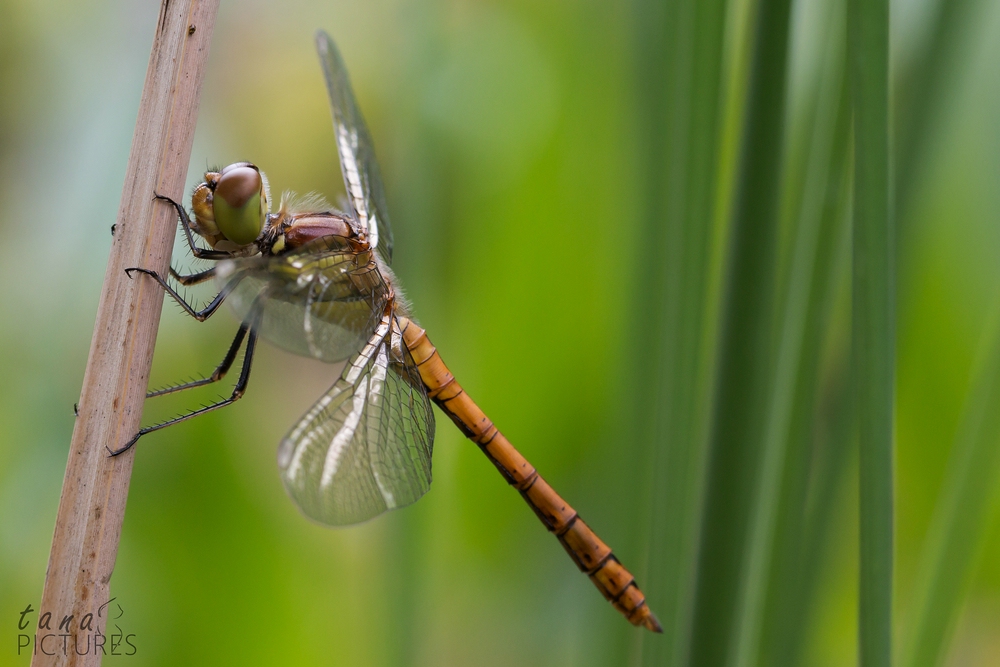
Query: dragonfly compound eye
[(239, 204)]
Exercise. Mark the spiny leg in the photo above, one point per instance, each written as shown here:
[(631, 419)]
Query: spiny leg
[(200, 315), (192, 278), (238, 392), (200, 253), (217, 374)]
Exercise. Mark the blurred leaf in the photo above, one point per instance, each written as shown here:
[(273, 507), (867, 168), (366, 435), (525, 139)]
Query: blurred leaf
[(873, 339), (679, 76), (777, 530), (922, 95), (962, 513), (745, 351)]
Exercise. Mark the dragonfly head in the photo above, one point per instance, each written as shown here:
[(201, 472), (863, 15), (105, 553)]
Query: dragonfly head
[(231, 206)]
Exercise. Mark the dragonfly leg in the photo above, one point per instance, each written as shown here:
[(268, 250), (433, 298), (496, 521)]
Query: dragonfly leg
[(219, 372), (238, 391), (192, 278), (200, 253), (200, 315)]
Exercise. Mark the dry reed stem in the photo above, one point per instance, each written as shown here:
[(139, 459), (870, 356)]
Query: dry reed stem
[(95, 488)]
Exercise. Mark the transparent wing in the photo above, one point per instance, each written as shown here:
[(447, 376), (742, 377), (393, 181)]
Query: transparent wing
[(365, 446), (362, 179), (322, 301)]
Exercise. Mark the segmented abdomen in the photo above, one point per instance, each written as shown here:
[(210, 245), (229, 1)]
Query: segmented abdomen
[(587, 550)]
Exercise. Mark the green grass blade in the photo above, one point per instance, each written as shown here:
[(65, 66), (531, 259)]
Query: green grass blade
[(921, 94), (679, 73), (807, 306), (818, 432), (745, 344), (961, 517), (873, 354)]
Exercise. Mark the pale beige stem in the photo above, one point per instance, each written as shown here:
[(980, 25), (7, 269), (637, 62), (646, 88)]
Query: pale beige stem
[(95, 488)]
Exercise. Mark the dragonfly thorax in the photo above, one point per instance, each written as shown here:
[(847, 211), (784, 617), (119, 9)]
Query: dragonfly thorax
[(231, 206)]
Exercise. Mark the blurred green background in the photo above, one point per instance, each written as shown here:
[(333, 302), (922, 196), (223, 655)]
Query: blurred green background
[(562, 178)]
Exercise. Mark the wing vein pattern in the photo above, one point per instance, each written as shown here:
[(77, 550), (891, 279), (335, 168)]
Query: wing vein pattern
[(321, 301), (365, 446), (362, 179)]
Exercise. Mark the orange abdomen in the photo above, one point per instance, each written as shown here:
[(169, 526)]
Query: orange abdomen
[(591, 555)]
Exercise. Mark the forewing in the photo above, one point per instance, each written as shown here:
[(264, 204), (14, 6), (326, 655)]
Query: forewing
[(322, 301), (365, 446), (362, 179)]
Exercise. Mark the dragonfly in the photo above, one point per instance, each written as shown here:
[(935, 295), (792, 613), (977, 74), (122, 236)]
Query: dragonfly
[(317, 281)]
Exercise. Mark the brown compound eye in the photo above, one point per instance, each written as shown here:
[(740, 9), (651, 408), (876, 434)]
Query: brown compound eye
[(239, 205)]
